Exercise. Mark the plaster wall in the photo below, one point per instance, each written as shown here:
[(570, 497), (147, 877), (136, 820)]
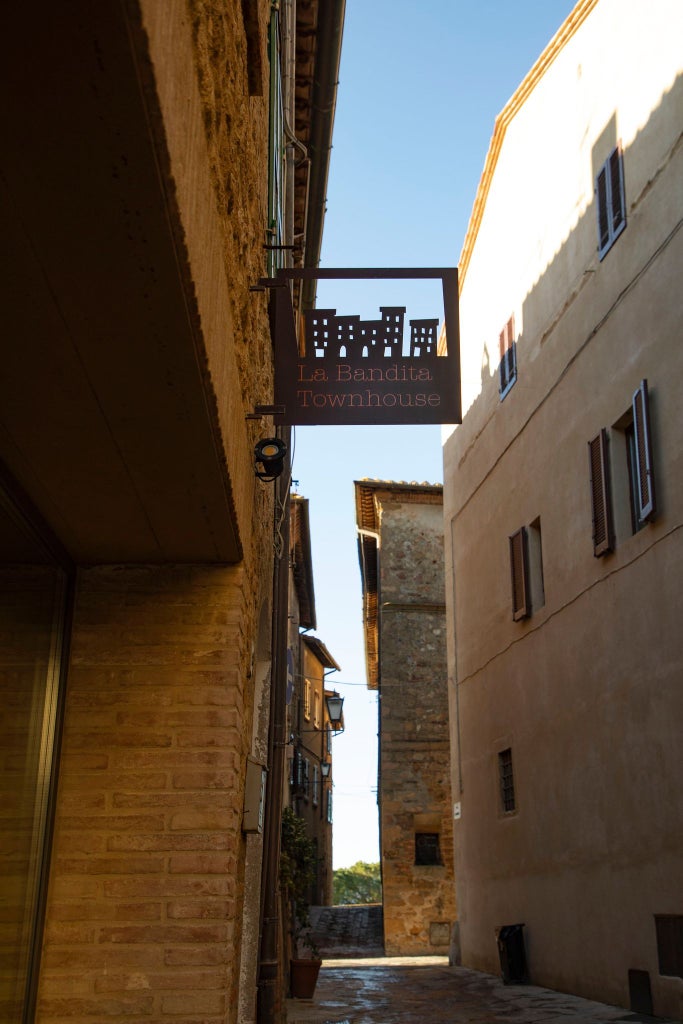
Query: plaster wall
[(586, 692)]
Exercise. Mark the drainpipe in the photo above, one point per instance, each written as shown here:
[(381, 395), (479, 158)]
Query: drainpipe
[(374, 535), (268, 997), (324, 99)]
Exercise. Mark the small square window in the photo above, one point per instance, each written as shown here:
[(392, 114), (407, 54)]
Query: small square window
[(427, 848)]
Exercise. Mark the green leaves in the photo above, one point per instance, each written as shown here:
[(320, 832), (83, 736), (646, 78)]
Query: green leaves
[(361, 883)]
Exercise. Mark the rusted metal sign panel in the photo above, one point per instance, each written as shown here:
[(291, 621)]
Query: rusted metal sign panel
[(385, 370)]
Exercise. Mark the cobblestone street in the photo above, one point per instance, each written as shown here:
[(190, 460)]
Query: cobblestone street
[(358, 985), (426, 990)]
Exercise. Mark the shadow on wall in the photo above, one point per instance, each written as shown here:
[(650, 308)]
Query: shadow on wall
[(540, 312)]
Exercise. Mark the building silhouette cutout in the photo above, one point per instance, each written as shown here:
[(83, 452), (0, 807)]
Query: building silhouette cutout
[(331, 337)]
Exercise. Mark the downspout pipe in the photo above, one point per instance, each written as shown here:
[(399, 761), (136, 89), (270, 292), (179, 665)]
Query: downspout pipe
[(268, 996), (324, 100)]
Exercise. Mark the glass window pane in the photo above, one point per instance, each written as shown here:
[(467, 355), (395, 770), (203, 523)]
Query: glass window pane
[(32, 596)]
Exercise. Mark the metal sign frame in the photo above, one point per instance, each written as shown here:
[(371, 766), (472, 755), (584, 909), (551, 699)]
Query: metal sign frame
[(376, 383)]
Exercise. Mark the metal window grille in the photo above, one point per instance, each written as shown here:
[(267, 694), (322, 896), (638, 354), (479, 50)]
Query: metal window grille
[(427, 848), (507, 782)]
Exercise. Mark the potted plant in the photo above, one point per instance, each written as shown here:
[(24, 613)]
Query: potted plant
[(298, 863)]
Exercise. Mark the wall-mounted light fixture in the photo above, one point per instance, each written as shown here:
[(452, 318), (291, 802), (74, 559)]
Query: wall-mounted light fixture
[(335, 705), (269, 458), (325, 769)]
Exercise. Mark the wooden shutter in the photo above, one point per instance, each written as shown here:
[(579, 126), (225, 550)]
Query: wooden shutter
[(610, 200), (645, 490), (617, 198), (603, 217), (603, 536), (508, 363), (519, 574)]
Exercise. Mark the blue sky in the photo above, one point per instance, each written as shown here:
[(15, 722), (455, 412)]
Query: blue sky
[(420, 87)]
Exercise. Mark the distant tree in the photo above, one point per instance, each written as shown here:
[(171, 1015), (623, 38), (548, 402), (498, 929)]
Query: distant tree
[(361, 883)]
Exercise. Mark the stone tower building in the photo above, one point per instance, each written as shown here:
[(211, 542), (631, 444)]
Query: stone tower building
[(400, 529)]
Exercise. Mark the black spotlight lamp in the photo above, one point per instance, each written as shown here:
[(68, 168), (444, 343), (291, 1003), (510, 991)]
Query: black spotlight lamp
[(269, 458)]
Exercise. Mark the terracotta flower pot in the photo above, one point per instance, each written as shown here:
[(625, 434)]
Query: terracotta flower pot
[(303, 976)]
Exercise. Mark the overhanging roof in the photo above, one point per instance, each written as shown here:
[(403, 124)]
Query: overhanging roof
[(106, 419), (318, 648), (302, 566)]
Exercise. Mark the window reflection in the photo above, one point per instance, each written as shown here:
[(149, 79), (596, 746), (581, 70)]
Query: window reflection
[(32, 601)]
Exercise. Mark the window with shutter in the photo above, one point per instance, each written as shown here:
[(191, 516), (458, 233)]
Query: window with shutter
[(603, 534), (519, 572), (610, 200), (507, 369), (297, 771), (644, 472)]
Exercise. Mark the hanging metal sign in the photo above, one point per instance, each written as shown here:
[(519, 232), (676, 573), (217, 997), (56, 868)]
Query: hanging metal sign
[(386, 370)]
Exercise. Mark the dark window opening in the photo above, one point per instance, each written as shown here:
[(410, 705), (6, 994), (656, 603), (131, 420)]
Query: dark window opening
[(427, 848), (507, 782), (669, 929), (507, 369)]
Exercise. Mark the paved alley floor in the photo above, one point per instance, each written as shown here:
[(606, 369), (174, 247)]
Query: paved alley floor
[(426, 990)]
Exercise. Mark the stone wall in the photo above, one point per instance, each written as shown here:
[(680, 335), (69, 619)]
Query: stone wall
[(419, 899)]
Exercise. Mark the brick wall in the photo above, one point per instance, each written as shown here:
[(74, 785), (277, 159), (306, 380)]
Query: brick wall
[(146, 884)]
